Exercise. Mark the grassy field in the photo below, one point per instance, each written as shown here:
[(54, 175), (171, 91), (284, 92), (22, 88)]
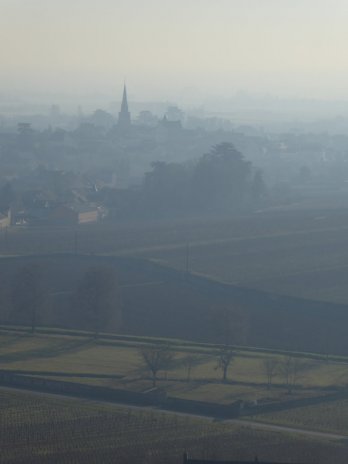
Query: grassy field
[(42, 429), (117, 364), (141, 237), (304, 254), (311, 265)]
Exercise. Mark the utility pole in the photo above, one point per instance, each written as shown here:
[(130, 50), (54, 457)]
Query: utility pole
[(75, 242), (6, 238)]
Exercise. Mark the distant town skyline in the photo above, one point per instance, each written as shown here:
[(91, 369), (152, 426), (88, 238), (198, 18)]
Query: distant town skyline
[(170, 50)]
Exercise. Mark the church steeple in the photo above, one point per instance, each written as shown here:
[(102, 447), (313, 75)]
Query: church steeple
[(124, 119), (124, 106)]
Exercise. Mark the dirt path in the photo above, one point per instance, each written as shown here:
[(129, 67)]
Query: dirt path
[(197, 243), (286, 429)]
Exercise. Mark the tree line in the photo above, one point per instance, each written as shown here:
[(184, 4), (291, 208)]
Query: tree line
[(95, 301), (162, 357), (220, 182)]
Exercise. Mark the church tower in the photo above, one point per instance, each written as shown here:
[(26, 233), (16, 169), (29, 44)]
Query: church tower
[(124, 119)]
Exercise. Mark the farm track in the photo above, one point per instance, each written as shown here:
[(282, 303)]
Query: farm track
[(239, 422), (286, 429), (130, 249), (222, 241), (130, 341)]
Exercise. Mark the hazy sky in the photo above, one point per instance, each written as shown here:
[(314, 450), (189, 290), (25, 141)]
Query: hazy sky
[(169, 48)]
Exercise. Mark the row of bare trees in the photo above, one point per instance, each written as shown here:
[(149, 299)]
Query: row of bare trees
[(158, 358), (289, 368)]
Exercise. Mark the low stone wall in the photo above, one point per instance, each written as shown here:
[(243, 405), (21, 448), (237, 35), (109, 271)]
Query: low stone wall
[(76, 389), (157, 398), (152, 398), (203, 407), (250, 410)]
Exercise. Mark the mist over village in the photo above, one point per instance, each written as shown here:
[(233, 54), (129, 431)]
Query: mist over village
[(173, 232), (61, 169)]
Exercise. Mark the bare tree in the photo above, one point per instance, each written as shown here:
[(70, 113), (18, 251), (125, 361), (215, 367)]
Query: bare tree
[(98, 298), (225, 357), (270, 366), (230, 325), (156, 358), (292, 369), (189, 363), (27, 295)]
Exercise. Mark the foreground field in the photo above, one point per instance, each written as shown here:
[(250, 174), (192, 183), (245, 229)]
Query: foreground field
[(327, 417), (41, 429)]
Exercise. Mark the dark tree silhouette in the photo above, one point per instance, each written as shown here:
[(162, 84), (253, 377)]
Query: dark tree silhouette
[(98, 299), (292, 368), (229, 325), (271, 367), (220, 181), (27, 296), (165, 188), (189, 362), (225, 357), (221, 178), (156, 358), (258, 187)]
